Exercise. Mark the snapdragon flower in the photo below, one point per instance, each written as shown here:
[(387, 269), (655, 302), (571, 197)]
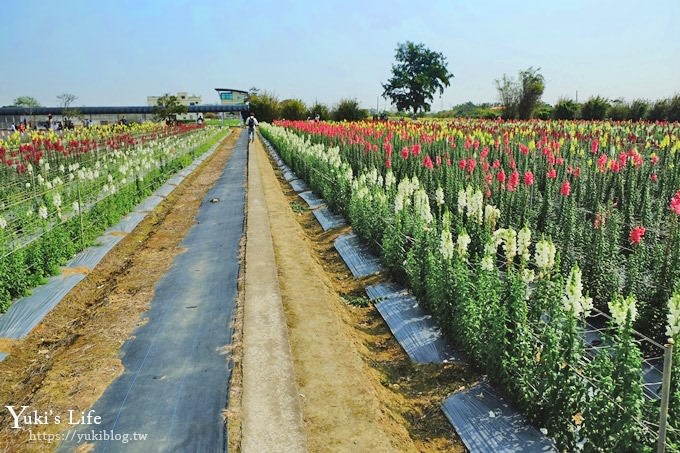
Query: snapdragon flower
[(573, 300), (3, 223), (620, 307), (439, 196), (673, 316), (491, 215), (544, 255), (462, 244), (523, 243), (462, 201), (42, 212), (446, 244)]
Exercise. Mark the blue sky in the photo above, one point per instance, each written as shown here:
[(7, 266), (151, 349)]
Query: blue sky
[(118, 52)]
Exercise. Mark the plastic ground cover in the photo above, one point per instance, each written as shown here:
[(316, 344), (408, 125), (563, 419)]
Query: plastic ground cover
[(26, 313), (312, 200), (299, 185), (3, 355), (357, 256), (288, 174), (327, 219), (175, 383), (486, 423), (413, 327)]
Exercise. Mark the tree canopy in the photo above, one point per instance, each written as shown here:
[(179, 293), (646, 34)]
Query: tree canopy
[(26, 101), (168, 107), (417, 74), (521, 97)]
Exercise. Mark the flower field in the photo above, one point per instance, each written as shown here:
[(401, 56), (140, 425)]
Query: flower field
[(58, 193), (520, 237)]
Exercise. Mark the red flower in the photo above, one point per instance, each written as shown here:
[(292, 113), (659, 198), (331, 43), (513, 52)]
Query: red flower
[(636, 234), (654, 159), (404, 153), (427, 162), (462, 163), (500, 176), (513, 182), (654, 177), (471, 164), (602, 162), (415, 149), (595, 146), (565, 188), (388, 163), (528, 178), (484, 153), (559, 161), (675, 203), (552, 174), (496, 163), (524, 149), (388, 148)]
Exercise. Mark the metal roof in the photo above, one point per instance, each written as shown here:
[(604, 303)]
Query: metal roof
[(231, 89), (119, 110)]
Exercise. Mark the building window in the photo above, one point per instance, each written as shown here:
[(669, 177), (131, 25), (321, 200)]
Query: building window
[(227, 96)]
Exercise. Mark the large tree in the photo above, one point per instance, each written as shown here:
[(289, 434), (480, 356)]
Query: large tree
[(521, 97), (26, 101), (417, 74), (292, 109), (168, 107)]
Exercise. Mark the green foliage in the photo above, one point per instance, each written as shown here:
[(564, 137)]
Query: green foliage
[(565, 109), (595, 108), (417, 74), (521, 97), (292, 109), (320, 109), (348, 110), (168, 107), (532, 85), (637, 110), (26, 101), (265, 106)]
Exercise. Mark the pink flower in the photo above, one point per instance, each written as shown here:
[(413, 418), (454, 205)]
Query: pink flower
[(462, 164), (565, 188), (528, 178), (654, 159), (404, 153), (427, 162), (388, 163), (415, 149), (484, 153), (471, 164), (636, 234), (675, 203), (388, 149), (500, 176), (552, 174), (513, 182), (654, 177)]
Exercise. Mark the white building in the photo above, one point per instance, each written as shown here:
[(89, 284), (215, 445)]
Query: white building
[(184, 99)]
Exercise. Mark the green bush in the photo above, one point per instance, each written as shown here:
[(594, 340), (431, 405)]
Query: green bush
[(348, 110)]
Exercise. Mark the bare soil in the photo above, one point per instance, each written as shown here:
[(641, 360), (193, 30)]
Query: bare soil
[(350, 369), (67, 362)]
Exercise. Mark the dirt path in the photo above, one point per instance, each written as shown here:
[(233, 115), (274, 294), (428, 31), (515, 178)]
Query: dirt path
[(271, 416), (73, 355), (341, 409)]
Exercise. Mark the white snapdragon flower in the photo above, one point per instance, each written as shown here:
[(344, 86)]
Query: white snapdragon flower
[(544, 256), (3, 223), (421, 205), (491, 215), (673, 316), (523, 243), (389, 179), (462, 201), (56, 200), (476, 206), (76, 207), (42, 212), (439, 196), (462, 244), (573, 299), (446, 244), (620, 307)]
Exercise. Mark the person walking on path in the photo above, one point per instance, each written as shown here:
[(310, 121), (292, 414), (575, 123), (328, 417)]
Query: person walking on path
[(251, 122)]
